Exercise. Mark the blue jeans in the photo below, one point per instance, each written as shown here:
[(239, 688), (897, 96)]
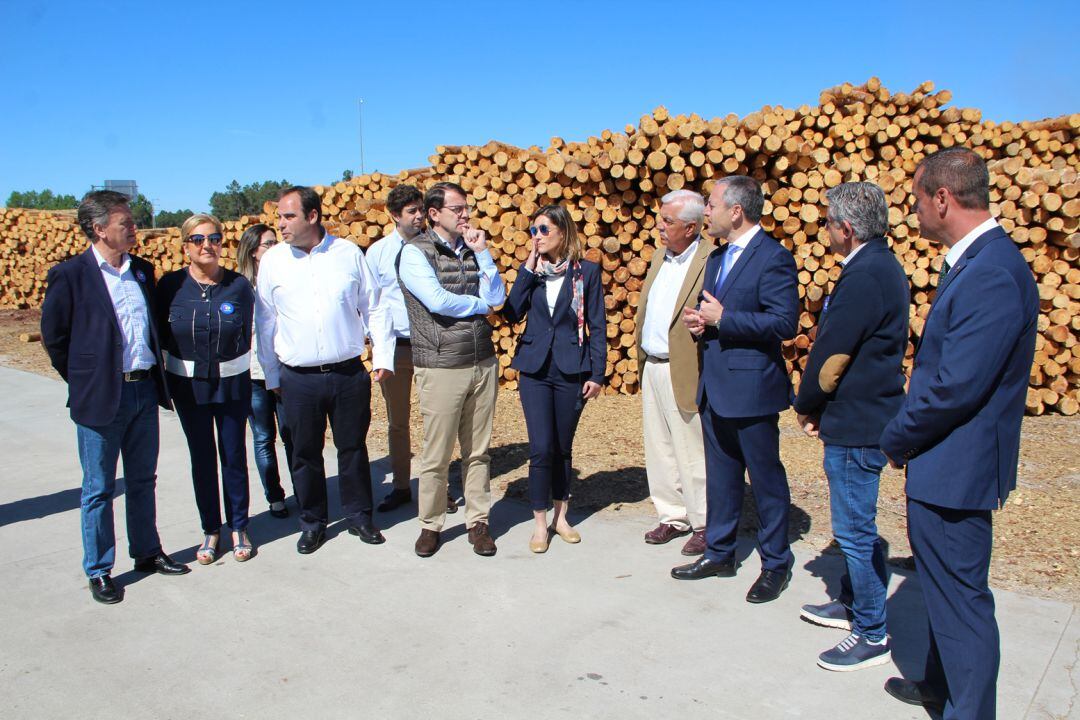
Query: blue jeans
[(132, 435), (854, 474), (264, 407)]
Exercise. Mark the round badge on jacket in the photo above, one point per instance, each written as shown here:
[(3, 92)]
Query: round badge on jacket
[(140, 276), (228, 308)]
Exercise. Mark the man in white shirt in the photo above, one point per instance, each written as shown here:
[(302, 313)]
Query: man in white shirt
[(670, 363), (317, 301), (405, 204), (450, 284)]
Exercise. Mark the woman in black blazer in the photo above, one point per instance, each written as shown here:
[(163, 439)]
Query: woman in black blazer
[(561, 358)]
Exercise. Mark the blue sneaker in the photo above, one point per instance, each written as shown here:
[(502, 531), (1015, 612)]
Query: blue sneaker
[(832, 614), (855, 653)]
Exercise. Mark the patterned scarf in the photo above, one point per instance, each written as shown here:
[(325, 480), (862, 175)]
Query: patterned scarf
[(544, 270)]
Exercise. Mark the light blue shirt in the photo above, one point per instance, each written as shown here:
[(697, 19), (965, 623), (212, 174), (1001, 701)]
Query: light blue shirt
[(381, 259), (420, 279), (131, 312)]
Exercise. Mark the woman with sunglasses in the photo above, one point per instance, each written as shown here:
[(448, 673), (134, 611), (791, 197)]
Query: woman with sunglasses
[(267, 416), (205, 318), (561, 358)]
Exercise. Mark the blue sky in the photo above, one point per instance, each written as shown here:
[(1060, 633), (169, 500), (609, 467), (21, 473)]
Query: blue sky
[(185, 97)]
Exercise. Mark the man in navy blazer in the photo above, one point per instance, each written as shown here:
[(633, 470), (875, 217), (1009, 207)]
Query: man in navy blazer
[(749, 306), (958, 430), (97, 324)]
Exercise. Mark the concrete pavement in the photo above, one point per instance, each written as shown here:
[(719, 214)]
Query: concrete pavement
[(596, 630)]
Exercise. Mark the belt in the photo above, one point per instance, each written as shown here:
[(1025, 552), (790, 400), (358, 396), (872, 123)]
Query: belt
[(653, 358), (344, 365), (404, 341), (136, 376), (226, 368)]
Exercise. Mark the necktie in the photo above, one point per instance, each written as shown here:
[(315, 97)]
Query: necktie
[(725, 266), (944, 271)]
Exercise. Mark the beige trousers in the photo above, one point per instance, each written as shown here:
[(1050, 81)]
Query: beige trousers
[(456, 404), (674, 452), (397, 392)]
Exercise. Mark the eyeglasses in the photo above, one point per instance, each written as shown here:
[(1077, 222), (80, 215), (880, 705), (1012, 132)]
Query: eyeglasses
[(540, 230), (214, 238), (458, 210)]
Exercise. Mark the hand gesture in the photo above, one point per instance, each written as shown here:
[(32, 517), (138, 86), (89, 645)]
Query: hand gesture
[(475, 239), (382, 374), (590, 390), (692, 320), (534, 254), (809, 424), (710, 309)]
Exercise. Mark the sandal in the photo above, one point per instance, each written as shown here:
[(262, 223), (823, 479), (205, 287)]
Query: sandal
[(242, 547), (207, 552)]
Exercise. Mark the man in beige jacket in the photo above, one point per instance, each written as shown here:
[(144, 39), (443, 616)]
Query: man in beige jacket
[(669, 364)]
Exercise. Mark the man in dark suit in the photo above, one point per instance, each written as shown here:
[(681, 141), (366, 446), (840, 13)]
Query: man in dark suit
[(750, 305), (97, 324), (853, 385), (958, 430)]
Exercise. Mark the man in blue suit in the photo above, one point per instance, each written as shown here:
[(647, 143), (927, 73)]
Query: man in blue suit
[(97, 324), (749, 305), (958, 431)]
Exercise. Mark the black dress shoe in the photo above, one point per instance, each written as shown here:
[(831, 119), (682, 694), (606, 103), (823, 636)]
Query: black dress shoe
[(451, 503), (768, 586), (161, 564), (395, 499), (703, 568), (105, 591), (367, 533), (310, 541), (281, 511), (914, 693)]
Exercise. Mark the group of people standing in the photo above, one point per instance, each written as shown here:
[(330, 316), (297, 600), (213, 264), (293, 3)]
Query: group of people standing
[(277, 345)]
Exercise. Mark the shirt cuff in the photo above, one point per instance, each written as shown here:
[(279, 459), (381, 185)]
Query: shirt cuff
[(382, 354)]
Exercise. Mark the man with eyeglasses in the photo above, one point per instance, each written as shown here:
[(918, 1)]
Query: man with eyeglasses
[(97, 324), (450, 284), (317, 301), (670, 362)]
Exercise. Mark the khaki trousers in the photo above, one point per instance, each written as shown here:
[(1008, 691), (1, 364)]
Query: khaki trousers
[(397, 392), (674, 451), (456, 404)]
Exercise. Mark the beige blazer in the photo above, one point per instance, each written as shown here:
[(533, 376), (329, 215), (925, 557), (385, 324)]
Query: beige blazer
[(684, 352)]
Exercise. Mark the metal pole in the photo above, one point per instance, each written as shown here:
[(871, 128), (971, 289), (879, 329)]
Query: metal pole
[(361, 107)]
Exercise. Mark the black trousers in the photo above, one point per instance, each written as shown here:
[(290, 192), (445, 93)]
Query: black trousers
[(343, 396)]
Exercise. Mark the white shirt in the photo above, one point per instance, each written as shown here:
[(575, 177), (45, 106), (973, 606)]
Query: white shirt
[(315, 308), (739, 244), (853, 253), (131, 312), (553, 286), (381, 259), (660, 304), (957, 251), (420, 279)]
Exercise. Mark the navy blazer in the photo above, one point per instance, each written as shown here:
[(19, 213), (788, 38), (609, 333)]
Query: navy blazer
[(556, 334), (80, 332), (959, 428), (743, 372)]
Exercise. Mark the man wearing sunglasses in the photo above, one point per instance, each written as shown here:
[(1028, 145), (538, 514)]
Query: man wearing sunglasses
[(317, 301), (450, 284), (97, 324)]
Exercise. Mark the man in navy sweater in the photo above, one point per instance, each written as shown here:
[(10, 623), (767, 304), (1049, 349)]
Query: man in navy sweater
[(958, 430), (852, 387)]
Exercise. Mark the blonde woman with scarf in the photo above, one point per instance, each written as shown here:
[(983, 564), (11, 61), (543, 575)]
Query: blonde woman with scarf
[(561, 359)]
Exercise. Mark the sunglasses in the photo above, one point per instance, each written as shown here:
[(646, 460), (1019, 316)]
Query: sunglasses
[(214, 238), (544, 230)]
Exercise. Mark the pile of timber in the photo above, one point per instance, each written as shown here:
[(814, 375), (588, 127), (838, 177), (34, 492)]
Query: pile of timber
[(612, 184)]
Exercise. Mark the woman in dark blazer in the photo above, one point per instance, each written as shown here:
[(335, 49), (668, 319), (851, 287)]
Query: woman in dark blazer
[(205, 317), (561, 359)]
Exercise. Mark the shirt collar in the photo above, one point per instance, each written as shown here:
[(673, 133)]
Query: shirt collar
[(456, 247), (685, 254), (957, 251), (852, 254), (104, 264), (744, 239)]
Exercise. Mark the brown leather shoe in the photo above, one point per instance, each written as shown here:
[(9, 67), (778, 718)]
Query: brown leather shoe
[(664, 533), (427, 543), (696, 544), (451, 503), (482, 543)]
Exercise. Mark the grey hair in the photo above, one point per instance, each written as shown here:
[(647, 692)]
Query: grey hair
[(95, 209), (863, 205), (691, 205), (744, 191)]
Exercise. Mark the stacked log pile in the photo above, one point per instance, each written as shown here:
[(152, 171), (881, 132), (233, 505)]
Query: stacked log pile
[(611, 185)]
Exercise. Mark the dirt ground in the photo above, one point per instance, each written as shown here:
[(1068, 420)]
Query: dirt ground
[(1036, 535)]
